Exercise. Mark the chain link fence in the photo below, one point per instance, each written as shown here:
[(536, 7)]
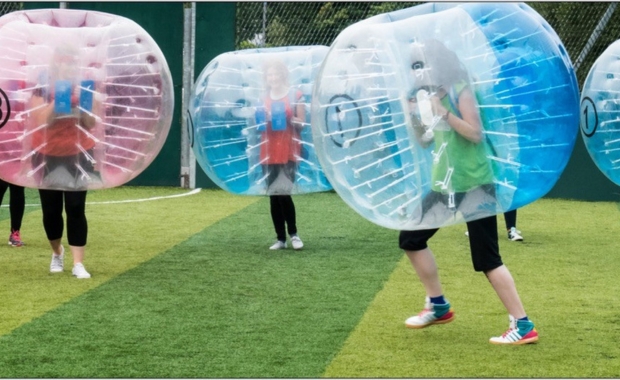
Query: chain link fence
[(8, 7), (585, 28)]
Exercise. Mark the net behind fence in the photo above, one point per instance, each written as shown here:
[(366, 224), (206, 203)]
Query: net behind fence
[(585, 28)]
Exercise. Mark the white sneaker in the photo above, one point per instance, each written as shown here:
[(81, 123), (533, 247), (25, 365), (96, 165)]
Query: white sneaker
[(79, 271), (429, 315), (58, 261), (519, 332), (296, 242), (278, 245), (514, 234)]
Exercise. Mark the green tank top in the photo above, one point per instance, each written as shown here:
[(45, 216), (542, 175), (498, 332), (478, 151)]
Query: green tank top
[(459, 165)]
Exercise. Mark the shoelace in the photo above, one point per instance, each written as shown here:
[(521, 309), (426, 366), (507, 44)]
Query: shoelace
[(424, 312), (510, 330)]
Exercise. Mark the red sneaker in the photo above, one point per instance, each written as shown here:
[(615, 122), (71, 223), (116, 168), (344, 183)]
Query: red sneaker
[(15, 240)]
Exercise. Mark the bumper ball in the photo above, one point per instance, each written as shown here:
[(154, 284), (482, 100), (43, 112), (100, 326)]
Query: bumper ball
[(87, 99), (399, 162), (249, 138)]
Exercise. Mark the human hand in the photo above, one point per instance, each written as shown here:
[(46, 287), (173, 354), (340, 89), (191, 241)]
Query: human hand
[(297, 122), (437, 107)]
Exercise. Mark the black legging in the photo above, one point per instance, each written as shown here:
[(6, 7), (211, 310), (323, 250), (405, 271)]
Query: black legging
[(283, 215), (510, 217), (282, 206), (75, 208), (17, 203)]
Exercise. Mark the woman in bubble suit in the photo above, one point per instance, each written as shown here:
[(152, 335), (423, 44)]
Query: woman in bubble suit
[(63, 152), (459, 133), (280, 149)]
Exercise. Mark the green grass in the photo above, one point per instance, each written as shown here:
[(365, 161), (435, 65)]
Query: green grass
[(218, 304), (566, 271), (186, 287), (121, 236)]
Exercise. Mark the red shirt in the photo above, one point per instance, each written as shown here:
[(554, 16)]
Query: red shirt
[(279, 147), (62, 138)]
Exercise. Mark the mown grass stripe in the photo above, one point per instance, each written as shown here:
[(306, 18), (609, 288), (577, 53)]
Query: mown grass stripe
[(566, 271), (220, 304), (121, 236)]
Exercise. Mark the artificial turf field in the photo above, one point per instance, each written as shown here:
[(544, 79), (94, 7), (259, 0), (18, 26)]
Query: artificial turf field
[(185, 287)]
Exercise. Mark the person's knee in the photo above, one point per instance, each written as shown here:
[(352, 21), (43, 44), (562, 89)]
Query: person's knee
[(412, 243), (487, 266)]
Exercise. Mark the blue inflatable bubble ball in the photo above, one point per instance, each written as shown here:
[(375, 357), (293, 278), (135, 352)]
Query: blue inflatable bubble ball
[(443, 113), (249, 118), (600, 112)]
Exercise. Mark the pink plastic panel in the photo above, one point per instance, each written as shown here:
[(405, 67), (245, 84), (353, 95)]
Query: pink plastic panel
[(86, 99)]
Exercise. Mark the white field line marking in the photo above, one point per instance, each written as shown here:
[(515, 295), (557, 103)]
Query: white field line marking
[(195, 191)]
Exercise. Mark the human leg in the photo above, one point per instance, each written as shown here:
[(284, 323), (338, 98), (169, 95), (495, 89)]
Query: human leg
[(510, 217), (436, 309), (3, 187), (288, 208), (290, 215), (53, 224), (277, 216), (486, 258), (288, 212), (424, 264), (503, 283), (77, 229), (17, 206)]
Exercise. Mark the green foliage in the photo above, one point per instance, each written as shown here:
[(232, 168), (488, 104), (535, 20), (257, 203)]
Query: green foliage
[(319, 23)]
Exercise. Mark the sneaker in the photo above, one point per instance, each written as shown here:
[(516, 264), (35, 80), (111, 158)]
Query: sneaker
[(296, 242), (278, 245), (79, 271), (431, 315), (519, 332), (514, 234), (57, 264), (15, 239)]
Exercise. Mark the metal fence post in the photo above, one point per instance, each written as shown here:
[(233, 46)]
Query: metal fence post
[(188, 160)]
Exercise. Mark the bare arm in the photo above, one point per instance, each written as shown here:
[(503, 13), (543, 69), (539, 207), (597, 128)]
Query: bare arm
[(468, 125), (89, 119), (41, 110), (299, 114)]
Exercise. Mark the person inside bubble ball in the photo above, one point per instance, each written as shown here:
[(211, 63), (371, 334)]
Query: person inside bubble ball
[(459, 134), (61, 124), (284, 116)]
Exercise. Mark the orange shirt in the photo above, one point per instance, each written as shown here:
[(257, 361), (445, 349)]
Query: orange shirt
[(279, 147), (62, 138)]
